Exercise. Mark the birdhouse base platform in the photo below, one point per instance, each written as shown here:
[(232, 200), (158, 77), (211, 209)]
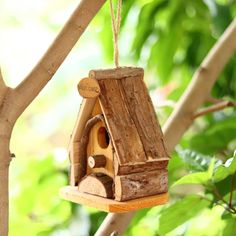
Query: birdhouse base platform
[(72, 194)]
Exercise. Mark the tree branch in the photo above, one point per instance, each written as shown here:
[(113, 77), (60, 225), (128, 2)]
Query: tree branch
[(215, 107), (2, 88), (30, 87), (200, 86), (181, 118), (2, 84)]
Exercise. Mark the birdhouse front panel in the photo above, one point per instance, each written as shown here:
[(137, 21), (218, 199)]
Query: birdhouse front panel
[(99, 151)]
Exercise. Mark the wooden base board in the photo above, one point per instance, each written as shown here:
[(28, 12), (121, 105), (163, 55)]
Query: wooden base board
[(71, 193)]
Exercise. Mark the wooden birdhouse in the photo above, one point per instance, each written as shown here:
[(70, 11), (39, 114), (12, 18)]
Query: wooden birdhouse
[(117, 152)]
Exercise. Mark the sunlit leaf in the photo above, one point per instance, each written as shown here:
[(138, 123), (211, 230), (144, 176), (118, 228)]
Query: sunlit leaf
[(195, 160), (230, 227), (223, 171), (197, 178), (180, 212)]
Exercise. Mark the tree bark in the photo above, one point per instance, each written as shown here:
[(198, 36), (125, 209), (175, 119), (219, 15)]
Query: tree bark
[(3, 88), (4, 169), (183, 115)]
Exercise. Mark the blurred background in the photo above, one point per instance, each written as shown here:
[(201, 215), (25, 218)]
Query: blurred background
[(169, 39)]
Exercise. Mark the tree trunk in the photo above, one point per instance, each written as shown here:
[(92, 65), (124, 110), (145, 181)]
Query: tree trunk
[(4, 183)]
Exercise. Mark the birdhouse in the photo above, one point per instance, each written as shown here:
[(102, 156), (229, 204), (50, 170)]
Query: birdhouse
[(117, 152)]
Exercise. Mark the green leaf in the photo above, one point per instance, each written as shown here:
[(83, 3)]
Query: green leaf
[(197, 178), (223, 171), (180, 212), (195, 161), (215, 137), (144, 30), (230, 227)]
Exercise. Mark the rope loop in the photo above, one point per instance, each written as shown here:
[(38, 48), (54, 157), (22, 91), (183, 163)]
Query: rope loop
[(116, 29)]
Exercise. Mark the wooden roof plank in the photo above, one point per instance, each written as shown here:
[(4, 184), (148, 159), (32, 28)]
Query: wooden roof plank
[(124, 134), (116, 73), (143, 114)]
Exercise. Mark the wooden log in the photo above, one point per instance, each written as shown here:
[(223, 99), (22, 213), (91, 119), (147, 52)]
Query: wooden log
[(148, 166), (97, 184), (117, 73), (139, 185), (86, 109), (97, 161), (88, 88)]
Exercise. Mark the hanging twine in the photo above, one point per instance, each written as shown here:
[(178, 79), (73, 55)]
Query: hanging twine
[(116, 29)]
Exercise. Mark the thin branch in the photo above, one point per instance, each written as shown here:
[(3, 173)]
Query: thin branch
[(226, 207), (181, 118), (213, 100), (216, 107), (218, 195), (30, 87), (232, 190)]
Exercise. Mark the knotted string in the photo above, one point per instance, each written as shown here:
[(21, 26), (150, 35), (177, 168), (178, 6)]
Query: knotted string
[(116, 29)]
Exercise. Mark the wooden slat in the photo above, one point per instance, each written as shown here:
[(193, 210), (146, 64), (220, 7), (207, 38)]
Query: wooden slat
[(124, 134), (117, 73), (148, 166), (77, 165), (142, 112), (70, 193), (140, 185)]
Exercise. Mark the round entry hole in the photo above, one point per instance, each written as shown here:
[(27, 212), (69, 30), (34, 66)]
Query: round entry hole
[(103, 137)]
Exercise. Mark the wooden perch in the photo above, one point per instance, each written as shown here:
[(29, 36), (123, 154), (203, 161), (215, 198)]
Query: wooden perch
[(215, 107), (181, 118), (97, 161)]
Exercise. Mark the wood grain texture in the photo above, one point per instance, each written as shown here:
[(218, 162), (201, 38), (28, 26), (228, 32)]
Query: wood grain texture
[(70, 193), (82, 146), (140, 185), (94, 148), (97, 184), (124, 134), (85, 112), (117, 73), (147, 166), (88, 88), (143, 114), (97, 161)]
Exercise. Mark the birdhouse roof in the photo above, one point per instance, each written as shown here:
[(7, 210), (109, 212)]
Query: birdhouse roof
[(130, 116)]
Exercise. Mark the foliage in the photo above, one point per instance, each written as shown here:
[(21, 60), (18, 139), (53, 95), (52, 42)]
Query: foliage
[(170, 39)]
